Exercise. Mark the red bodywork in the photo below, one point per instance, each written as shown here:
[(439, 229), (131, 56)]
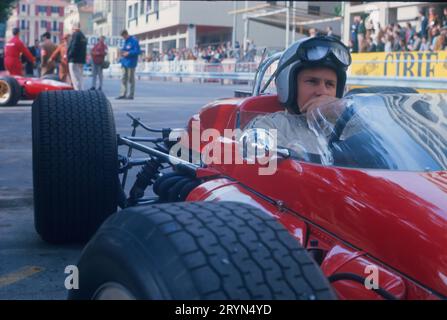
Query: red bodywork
[(393, 220), (31, 87)]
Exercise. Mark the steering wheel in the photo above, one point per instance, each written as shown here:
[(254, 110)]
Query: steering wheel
[(340, 124)]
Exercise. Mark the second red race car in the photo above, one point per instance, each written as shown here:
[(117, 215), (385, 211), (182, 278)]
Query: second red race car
[(15, 88)]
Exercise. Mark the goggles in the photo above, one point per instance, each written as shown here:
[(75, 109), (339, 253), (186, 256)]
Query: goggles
[(317, 49)]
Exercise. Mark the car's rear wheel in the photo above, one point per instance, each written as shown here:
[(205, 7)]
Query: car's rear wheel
[(10, 91), (75, 164), (197, 250)]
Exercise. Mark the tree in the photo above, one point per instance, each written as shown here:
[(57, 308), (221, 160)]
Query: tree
[(6, 8)]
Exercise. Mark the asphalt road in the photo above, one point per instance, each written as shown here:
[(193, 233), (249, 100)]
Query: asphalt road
[(29, 267)]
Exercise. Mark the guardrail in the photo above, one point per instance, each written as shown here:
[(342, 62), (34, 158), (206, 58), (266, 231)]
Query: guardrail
[(165, 70)]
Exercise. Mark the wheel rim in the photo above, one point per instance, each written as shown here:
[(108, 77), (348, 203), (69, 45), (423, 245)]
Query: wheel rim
[(113, 291), (5, 91)]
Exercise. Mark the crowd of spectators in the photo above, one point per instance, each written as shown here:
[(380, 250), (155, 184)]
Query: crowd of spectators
[(428, 33), (209, 54)]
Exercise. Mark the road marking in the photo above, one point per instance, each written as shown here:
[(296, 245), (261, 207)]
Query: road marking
[(19, 275)]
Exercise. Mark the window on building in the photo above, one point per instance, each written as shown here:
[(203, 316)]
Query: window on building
[(54, 39), (23, 8), (135, 10), (141, 6), (54, 9), (315, 10), (42, 9), (156, 5), (148, 6), (129, 14), (22, 24), (54, 25), (43, 24)]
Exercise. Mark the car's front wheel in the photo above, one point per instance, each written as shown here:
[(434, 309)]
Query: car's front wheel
[(10, 91), (197, 250), (75, 164)]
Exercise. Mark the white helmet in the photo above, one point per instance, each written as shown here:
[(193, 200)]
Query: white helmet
[(321, 51)]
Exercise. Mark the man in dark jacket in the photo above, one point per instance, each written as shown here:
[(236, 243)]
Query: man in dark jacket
[(77, 51), (129, 60), (46, 50), (29, 67)]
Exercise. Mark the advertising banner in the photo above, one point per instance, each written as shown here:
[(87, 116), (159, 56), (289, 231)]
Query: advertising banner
[(400, 64)]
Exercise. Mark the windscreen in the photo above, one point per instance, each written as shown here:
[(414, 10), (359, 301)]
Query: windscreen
[(367, 131)]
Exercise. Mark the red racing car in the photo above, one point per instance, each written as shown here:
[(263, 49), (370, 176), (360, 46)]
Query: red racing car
[(364, 218), (15, 88)]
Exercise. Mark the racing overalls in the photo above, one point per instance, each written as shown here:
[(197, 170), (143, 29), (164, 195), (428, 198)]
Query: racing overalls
[(13, 49)]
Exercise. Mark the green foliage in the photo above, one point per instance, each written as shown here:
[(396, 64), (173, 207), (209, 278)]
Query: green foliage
[(6, 9), (337, 10)]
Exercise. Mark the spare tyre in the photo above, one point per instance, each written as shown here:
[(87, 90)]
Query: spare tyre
[(75, 166)]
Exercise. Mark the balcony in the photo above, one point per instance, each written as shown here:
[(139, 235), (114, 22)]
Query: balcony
[(99, 17)]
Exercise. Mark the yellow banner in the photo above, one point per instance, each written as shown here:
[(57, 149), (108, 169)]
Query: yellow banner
[(400, 64)]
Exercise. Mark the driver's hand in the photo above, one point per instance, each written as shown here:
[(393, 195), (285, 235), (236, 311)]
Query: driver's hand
[(323, 106)]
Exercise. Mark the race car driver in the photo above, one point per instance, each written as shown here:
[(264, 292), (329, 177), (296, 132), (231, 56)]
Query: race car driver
[(14, 48), (310, 79)]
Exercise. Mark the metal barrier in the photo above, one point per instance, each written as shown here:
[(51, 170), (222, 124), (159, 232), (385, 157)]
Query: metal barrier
[(232, 72)]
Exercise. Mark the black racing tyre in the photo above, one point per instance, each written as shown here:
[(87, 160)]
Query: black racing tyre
[(53, 76), (197, 250), (10, 91), (75, 166), (381, 89)]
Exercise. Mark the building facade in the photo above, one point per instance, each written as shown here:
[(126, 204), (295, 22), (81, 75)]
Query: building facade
[(109, 17), (35, 17), (82, 12), (162, 25)]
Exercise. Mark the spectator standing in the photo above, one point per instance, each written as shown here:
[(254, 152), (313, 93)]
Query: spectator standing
[(361, 32), (77, 52), (409, 32), (415, 43), (46, 50), (423, 23), (440, 41), (129, 60), (371, 46), (99, 53), (35, 51), (354, 32), (444, 17), (14, 48), (61, 52), (433, 18), (388, 43), (380, 47)]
